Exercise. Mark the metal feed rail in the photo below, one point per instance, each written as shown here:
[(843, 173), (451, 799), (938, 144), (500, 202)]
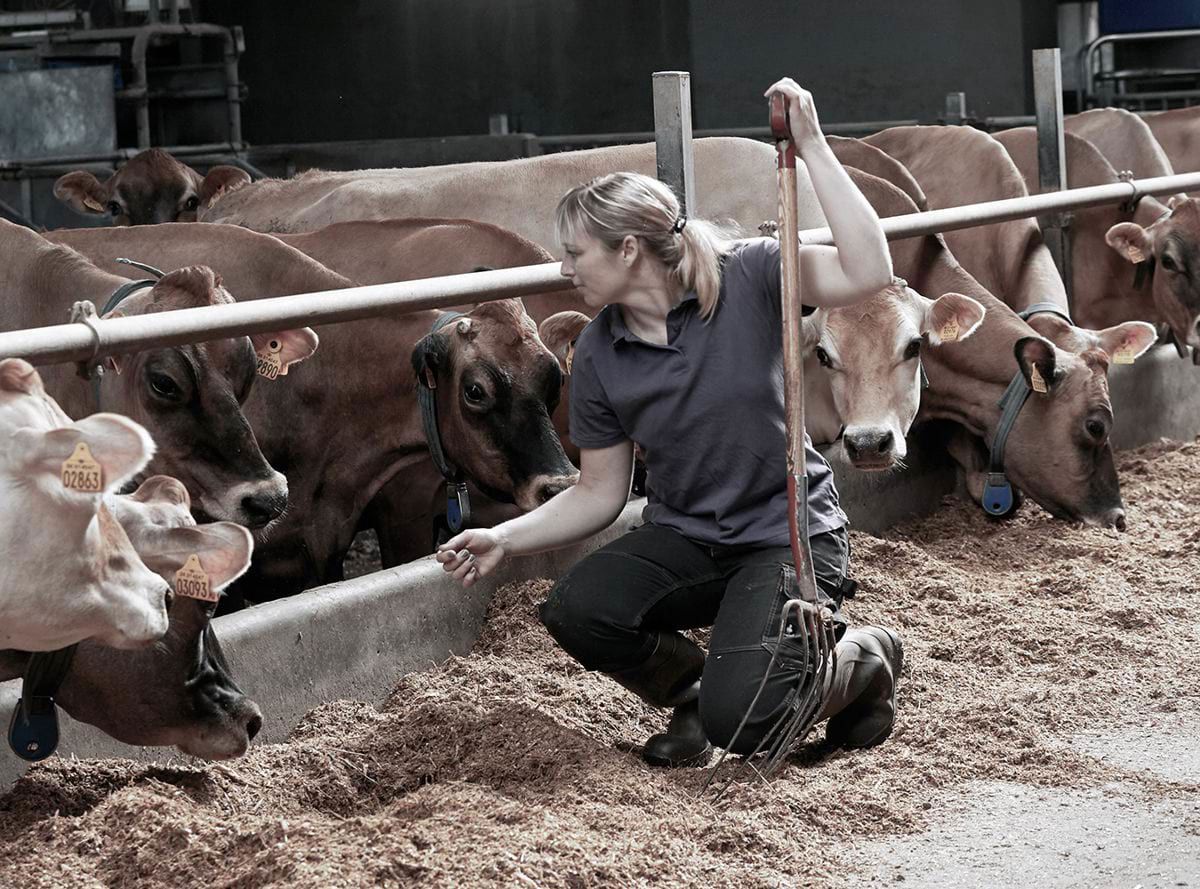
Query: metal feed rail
[(81, 341)]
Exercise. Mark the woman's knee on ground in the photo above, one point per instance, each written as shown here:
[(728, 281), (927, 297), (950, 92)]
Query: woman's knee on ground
[(726, 696)]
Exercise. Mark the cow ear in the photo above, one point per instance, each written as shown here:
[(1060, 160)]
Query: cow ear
[(82, 191), (18, 375), (221, 179), (1035, 357), (1175, 200), (162, 489), (428, 356), (951, 317), (293, 346), (810, 331), (1126, 342), (560, 331), (223, 549), (120, 446), (1130, 240)]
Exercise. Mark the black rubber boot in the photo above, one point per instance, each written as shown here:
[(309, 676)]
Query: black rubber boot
[(861, 700), (670, 677)]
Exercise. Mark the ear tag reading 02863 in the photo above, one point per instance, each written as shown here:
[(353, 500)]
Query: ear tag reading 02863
[(192, 582), (269, 362), (1124, 354), (949, 331), (81, 472), (1036, 383)]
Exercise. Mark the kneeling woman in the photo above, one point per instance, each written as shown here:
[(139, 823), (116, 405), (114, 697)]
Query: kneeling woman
[(685, 358)]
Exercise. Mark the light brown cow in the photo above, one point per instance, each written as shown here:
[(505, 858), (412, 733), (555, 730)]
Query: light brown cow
[(188, 397), (152, 187), (1123, 138), (1178, 133), (178, 691), (1108, 242), (347, 428), (735, 180)]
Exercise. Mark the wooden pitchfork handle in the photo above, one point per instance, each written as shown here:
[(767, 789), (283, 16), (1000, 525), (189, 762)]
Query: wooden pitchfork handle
[(793, 358)]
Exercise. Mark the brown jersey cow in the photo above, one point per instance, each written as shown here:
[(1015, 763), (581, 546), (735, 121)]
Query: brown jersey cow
[(188, 397), (347, 427), (152, 187)]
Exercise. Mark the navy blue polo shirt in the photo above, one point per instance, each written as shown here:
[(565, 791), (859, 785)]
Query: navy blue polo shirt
[(707, 408)]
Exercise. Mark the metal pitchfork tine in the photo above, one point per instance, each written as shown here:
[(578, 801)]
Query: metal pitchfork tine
[(814, 636)]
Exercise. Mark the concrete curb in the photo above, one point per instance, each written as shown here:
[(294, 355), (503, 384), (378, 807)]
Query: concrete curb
[(356, 638)]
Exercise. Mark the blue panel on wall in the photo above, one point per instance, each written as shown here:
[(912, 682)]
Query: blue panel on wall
[(1125, 16)]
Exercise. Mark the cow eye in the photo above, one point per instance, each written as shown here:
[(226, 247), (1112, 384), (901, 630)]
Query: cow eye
[(1096, 428), (114, 208), (191, 203), (474, 393), (823, 357), (1168, 263), (913, 349), (164, 387)]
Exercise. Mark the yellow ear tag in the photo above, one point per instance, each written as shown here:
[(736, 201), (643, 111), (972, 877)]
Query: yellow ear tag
[(1123, 355), (192, 582), (93, 204), (1035, 380), (570, 356), (269, 362), (1136, 255), (81, 472), (949, 331)]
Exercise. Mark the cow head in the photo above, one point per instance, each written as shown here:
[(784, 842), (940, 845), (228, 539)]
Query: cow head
[(190, 397), (179, 691), (151, 188), (559, 333), (1058, 451), (67, 569), (496, 386), (1170, 247), (862, 371)]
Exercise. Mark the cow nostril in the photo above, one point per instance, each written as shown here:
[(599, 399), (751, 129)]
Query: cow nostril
[(253, 726), (851, 448), (550, 489), (1119, 520), (886, 442), (261, 508), (168, 598)]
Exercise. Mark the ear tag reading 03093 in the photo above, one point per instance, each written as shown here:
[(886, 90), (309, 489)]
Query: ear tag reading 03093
[(191, 581), (81, 472), (269, 362), (1036, 383), (949, 331)]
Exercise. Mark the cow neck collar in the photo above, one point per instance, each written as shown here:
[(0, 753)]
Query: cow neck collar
[(998, 497), (458, 503), (33, 731)]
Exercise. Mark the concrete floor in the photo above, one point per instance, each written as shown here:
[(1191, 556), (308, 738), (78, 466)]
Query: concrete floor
[(997, 834)]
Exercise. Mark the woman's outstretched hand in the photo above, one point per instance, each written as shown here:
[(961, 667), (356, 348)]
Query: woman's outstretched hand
[(802, 113), (471, 555)]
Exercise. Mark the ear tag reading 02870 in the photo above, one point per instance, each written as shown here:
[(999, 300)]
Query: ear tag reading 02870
[(191, 581), (81, 472), (269, 362), (949, 331)]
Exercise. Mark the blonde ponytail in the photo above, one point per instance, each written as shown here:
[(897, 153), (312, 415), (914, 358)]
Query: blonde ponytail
[(613, 206)]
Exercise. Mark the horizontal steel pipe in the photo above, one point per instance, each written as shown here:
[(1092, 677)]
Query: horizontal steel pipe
[(78, 341)]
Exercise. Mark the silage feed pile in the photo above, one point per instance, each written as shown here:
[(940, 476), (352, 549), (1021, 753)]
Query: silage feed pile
[(513, 767)]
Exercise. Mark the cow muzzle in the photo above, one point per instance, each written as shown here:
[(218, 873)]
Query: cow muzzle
[(253, 504), (873, 448), (227, 736), (541, 488)]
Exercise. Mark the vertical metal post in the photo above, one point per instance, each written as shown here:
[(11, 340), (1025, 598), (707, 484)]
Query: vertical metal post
[(956, 108), (27, 197), (1052, 157), (498, 125), (673, 134)]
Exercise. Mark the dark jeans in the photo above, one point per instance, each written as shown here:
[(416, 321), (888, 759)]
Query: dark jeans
[(606, 611)]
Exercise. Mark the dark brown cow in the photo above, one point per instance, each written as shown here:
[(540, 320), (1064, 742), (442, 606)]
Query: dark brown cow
[(178, 691), (347, 423), (152, 187), (188, 397)]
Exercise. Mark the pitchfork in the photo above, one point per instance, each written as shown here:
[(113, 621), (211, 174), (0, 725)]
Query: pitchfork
[(805, 626)]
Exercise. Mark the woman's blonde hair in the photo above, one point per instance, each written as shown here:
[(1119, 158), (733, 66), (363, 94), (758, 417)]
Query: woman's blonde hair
[(613, 206)]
